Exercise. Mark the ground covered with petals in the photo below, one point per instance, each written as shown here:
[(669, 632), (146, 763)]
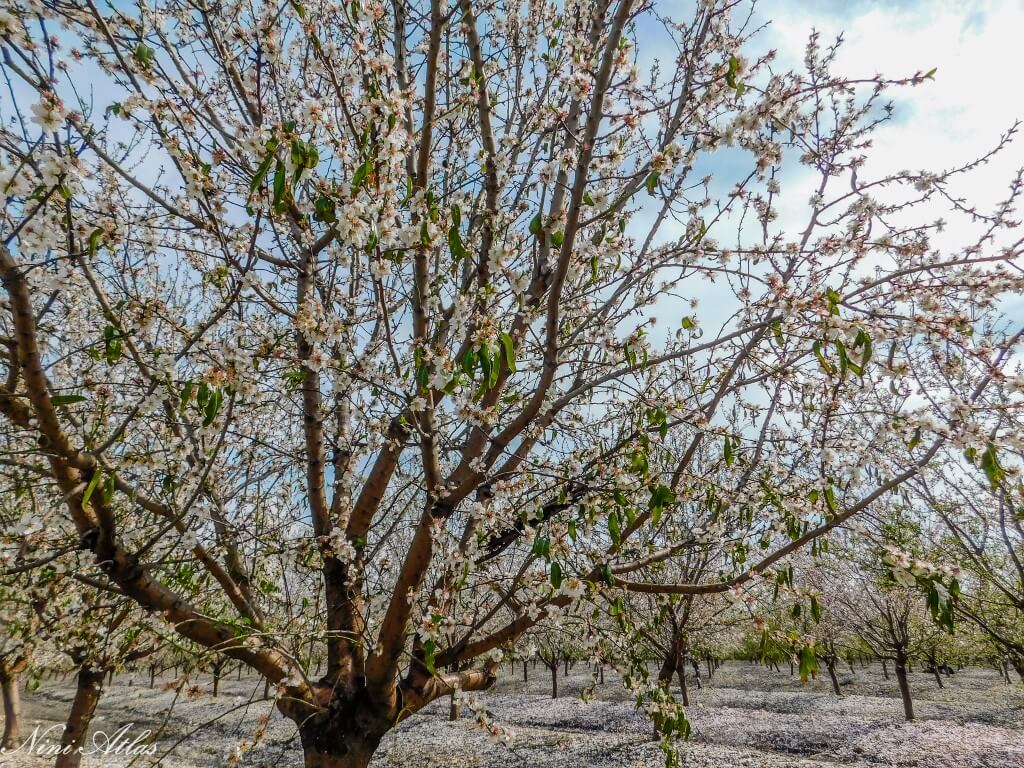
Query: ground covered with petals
[(746, 716)]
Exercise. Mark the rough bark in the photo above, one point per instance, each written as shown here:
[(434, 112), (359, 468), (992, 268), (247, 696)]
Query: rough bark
[(83, 707), (12, 709), (901, 677)]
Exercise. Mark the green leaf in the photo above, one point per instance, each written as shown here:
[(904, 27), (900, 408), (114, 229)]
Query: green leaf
[(915, 440), (212, 406), (730, 76), (728, 452), (93, 482), (536, 225), (991, 467), (144, 55), (510, 351), (469, 362), (815, 610), (324, 210), (829, 368), (279, 188), (67, 399), (94, 240), (361, 174), (556, 575), (429, 655), (458, 250), (808, 663), (615, 527), (661, 497), (111, 345), (688, 323), (652, 182), (261, 172)]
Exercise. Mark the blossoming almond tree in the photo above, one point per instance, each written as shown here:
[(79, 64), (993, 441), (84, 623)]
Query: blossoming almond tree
[(330, 327)]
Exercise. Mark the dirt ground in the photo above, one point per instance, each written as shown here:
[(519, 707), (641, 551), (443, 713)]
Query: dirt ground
[(744, 716)]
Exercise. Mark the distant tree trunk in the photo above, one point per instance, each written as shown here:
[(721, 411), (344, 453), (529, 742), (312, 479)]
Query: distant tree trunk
[(110, 676), (830, 662), (454, 708), (554, 680), (83, 707), (696, 673), (526, 671), (566, 668), (1018, 664), (901, 677), (885, 669), (12, 708), (218, 666), (600, 671), (266, 689), (152, 675), (937, 674)]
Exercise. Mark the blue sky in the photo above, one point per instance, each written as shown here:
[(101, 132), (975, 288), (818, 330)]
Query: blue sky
[(960, 115)]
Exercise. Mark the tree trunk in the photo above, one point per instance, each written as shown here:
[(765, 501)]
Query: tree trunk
[(1018, 664), (83, 707), (12, 709), (938, 676), (454, 708), (831, 664), (526, 671), (216, 678), (601, 673), (901, 677), (885, 669), (554, 680), (152, 675)]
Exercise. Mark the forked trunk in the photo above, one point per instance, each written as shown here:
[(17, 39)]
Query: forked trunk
[(12, 709), (901, 677), (87, 695), (342, 737)]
